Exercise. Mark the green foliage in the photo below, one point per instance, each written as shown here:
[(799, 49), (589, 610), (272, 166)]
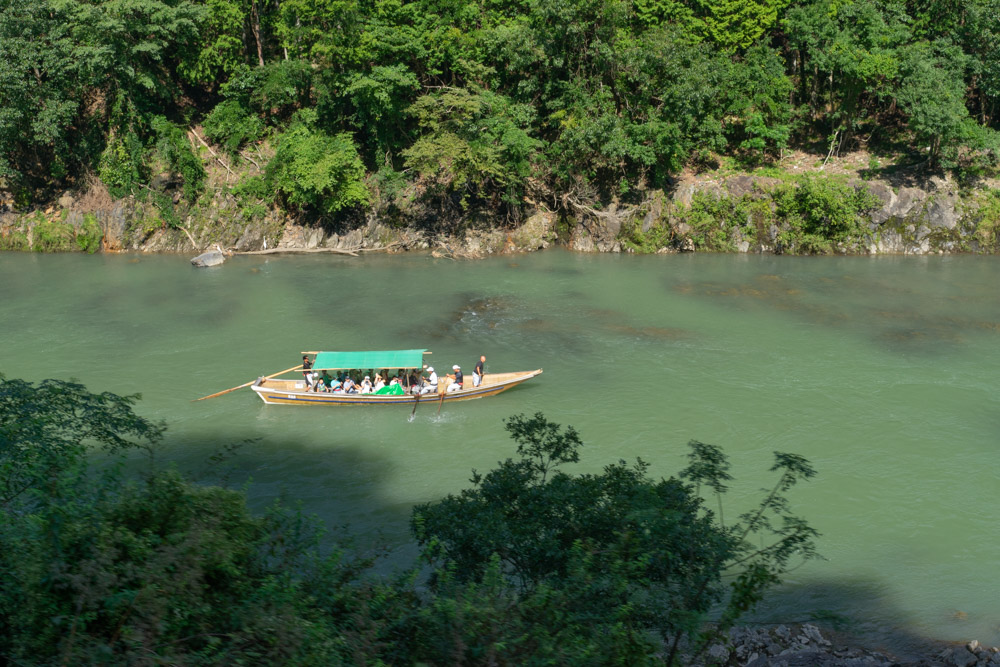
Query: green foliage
[(711, 219), (253, 194), (633, 553), (760, 112), (931, 91), (45, 430), (174, 148), (89, 234), (220, 50), (826, 209), (484, 105), (474, 143), (122, 165), (233, 125), (737, 24), (104, 568), (986, 218), (316, 171), (656, 237), (165, 210), (52, 235)]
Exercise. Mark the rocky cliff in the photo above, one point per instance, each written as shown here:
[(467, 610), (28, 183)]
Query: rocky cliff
[(766, 212)]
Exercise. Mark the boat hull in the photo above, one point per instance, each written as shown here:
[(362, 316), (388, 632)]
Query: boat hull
[(291, 392)]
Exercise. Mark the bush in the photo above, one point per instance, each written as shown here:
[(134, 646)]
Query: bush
[(122, 165), (173, 147), (89, 235), (52, 235), (233, 126), (317, 171)]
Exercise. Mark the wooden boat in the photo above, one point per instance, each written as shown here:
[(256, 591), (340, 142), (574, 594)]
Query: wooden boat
[(277, 391)]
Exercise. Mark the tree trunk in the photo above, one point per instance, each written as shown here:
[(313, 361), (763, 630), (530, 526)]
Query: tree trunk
[(255, 26)]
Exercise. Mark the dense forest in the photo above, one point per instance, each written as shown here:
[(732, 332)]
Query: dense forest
[(530, 565), (488, 105)]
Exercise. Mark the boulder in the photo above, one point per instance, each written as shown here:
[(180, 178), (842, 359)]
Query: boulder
[(906, 200), (885, 195), (742, 184), (654, 212), (941, 210), (210, 258), (536, 233)]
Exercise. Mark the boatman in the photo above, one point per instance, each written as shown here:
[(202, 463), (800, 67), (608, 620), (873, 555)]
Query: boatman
[(432, 382), (477, 372), (307, 373), (457, 380)]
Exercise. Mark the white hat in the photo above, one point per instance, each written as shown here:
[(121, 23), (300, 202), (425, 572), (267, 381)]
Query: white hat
[(367, 378), (430, 369), (455, 367)]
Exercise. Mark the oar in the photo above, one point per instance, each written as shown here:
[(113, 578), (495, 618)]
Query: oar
[(247, 384), (443, 390), (415, 405)]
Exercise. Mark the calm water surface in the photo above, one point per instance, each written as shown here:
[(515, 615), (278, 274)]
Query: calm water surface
[(882, 371)]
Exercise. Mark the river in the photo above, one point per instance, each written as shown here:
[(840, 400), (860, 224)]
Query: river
[(883, 372)]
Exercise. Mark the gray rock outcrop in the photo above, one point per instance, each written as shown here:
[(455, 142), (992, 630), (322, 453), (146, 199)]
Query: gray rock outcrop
[(210, 258)]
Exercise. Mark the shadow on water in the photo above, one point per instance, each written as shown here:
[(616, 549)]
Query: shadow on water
[(900, 328), (855, 613), (340, 480)]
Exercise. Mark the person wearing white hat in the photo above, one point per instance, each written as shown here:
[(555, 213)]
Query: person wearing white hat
[(432, 382), (457, 380)]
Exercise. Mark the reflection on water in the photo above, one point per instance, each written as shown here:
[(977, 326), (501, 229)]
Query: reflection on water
[(883, 372)]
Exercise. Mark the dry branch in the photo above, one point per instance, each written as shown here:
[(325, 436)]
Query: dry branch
[(353, 252)]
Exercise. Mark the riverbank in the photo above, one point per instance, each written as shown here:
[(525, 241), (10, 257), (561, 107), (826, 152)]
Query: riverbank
[(803, 205)]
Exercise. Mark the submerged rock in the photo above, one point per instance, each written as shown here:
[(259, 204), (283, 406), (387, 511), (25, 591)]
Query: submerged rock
[(210, 258)]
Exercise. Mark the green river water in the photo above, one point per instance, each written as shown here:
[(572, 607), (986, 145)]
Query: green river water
[(884, 372)]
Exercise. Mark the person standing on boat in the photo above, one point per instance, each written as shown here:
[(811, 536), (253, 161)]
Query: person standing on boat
[(307, 373), (477, 372)]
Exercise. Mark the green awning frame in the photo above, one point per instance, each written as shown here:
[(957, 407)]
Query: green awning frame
[(342, 361)]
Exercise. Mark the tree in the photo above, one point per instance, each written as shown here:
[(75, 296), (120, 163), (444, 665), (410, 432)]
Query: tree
[(931, 90), (632, 552), (46, 430), (99, 567), (475, 144), (847, 58)]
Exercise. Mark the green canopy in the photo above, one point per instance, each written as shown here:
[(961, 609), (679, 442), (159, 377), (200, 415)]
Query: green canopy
[(335, 361)]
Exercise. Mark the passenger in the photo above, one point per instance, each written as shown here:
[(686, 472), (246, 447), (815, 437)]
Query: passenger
[(366, 385), (379, 382), (457, 380), (336, 387), (327, 379), (320, 386), (431, 386), (349, 386), (478, 372)]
